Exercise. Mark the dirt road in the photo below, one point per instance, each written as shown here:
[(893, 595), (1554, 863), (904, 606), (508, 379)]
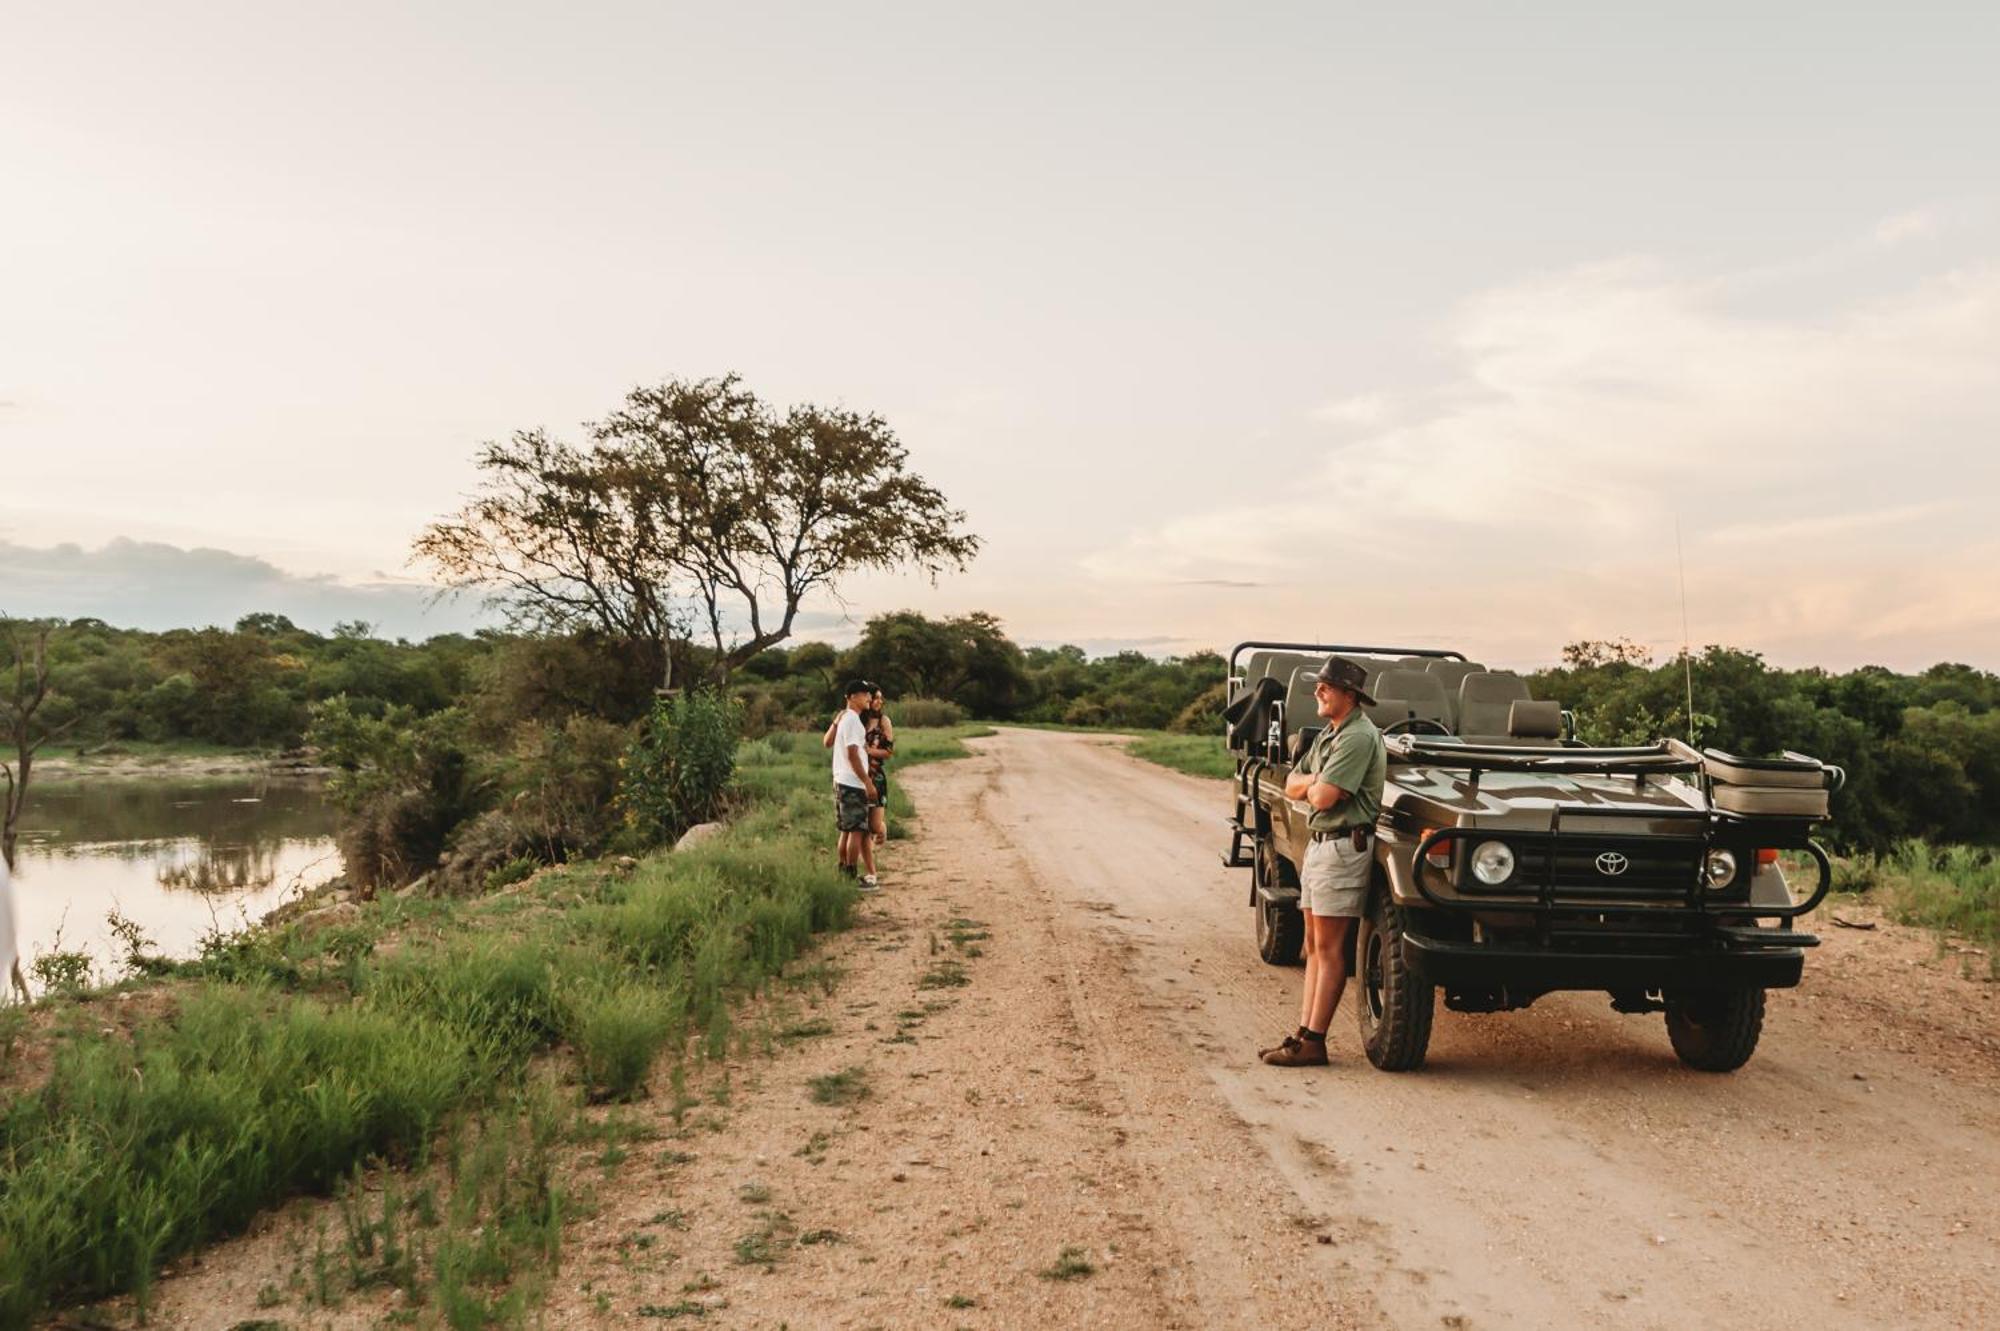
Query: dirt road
[(1553, 1167), (1046, 1111)]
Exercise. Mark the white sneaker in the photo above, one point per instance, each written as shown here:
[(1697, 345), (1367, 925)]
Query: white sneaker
[(868, 883)]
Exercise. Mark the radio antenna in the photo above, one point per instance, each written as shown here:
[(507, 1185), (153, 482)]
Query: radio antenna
[(1687, 646)]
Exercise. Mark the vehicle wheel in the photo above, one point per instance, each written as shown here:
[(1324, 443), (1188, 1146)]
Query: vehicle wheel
[(1715, 1032), (1396, 1006), (1281, 929)]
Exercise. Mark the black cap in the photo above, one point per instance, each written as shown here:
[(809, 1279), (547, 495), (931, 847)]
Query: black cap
[(1345, 674)]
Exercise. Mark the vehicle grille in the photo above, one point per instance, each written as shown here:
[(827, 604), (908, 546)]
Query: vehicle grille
[(1655, 867)]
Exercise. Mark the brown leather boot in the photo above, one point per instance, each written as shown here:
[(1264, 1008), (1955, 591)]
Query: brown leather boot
[(1298, 1052), (1285, 1043)]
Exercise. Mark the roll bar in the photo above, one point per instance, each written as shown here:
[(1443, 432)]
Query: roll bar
[(1331, 648)]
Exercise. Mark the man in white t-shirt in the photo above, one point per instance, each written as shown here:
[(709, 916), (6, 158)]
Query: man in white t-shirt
[(852, 790)]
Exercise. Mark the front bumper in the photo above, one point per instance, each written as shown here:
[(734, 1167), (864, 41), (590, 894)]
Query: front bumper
[(1487, 966)]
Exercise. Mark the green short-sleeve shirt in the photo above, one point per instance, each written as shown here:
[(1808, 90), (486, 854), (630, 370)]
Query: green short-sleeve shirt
[(1352, 757)]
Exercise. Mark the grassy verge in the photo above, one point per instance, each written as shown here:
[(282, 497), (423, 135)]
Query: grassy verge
[(451, 1037), (1953, 889), (1197, 755)]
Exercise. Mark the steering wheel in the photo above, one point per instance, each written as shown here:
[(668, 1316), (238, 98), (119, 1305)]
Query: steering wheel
[(1409, 726)]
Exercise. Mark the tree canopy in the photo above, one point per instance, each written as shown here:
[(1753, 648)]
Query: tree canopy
[(694, 508)]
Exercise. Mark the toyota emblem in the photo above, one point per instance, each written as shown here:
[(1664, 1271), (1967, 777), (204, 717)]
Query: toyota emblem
[(1611, 864)]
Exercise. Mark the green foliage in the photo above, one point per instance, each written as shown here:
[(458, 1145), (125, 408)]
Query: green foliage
[(513, 871), (293, 1060), (1951, 888), (619, 1031), (1921, 752), (247, 688), (678, 769), (402, 781), (1197, 755), (928, 712), (63, 972)]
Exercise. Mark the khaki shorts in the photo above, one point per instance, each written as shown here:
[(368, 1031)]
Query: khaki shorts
[(1334, 879)]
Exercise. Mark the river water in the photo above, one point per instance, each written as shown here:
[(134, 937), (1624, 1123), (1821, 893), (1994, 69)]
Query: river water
[(179, 857)]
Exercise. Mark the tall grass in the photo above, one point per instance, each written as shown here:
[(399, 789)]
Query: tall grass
[(1952, 888), (288, 1061)]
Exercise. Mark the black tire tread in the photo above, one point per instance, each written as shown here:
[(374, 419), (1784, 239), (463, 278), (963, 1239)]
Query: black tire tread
[(1284, 938), (1408, 1004), (1715, 1032)]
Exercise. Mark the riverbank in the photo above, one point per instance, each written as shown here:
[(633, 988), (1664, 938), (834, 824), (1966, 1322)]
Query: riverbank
[(178, 760), (455, 1040)]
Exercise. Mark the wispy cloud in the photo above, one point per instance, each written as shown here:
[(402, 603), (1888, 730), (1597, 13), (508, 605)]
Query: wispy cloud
[(1918, 224), (1820, 467)]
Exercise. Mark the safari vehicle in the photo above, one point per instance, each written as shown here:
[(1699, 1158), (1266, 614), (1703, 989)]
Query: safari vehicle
[(1512, 861)]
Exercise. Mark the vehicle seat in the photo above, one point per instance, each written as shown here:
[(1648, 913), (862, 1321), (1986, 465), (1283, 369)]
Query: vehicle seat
[(1450, 674), (1485, 702), (1404, 694), (1300, 709), (1535, 723)]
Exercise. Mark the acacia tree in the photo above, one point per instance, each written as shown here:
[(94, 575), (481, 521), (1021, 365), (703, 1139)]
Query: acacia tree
[(695, 503), (21, 725)]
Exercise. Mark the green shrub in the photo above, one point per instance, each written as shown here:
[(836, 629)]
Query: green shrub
[(62, 972), (679, 767), (516, 870), (1203, 716), (925, 712), (618, 1032), (402, 783)]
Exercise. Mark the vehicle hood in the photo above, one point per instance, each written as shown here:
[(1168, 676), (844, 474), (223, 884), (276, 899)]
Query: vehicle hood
[(1443, 796)]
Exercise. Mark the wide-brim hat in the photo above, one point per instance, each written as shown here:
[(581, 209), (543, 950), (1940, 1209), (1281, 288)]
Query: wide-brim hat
[(1345, 674)]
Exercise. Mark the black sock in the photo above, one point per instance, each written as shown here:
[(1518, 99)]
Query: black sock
[(1306, 1034), (1316, 1036)]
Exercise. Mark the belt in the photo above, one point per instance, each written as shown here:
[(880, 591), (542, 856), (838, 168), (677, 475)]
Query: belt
[(1360, 834)]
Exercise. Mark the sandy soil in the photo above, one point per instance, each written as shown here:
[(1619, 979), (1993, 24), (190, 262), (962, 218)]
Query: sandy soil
[(1093, 1086)]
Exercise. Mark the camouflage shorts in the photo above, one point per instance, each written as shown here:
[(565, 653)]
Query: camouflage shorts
[(850, 808)]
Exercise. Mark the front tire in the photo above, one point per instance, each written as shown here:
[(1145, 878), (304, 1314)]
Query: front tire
[(1281, 928), (1396, 1007), (1715, 1032)]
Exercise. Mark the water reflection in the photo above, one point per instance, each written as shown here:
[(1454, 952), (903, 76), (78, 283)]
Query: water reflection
[(178, 857)]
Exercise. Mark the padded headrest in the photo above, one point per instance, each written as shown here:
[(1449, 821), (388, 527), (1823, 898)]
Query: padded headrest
[(1484, 697), (1527, 719), (1413, 685), (1451, 671), (1492, 686), (1300, 708)]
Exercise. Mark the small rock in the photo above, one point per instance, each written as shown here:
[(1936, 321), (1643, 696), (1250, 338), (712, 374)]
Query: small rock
[(899, 1178), (1861, 1076), (697, 834), (340, 912), (1325, 1238)]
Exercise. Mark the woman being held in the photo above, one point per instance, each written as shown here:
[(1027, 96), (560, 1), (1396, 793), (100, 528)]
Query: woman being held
[(881, 745)]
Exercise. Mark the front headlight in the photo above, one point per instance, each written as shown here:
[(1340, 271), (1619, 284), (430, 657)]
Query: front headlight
[(1719, 870), (1493, 863)]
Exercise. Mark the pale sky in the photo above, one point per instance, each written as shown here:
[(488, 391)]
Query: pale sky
[(1388, 323)]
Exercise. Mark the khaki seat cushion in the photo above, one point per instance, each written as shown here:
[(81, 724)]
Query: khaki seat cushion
[(1535, 722), (1485, 701), (1449, 673), (1401, 694), (1300, 708), (1771, 801), (1723, 767)]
